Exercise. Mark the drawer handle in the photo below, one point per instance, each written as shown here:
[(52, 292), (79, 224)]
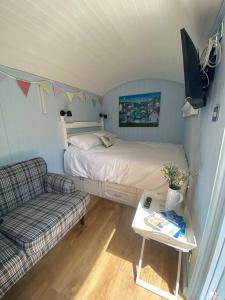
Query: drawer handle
[(114, 194), (117, 195)]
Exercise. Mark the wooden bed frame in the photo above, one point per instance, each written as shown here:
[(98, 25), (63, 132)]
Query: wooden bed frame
[(112, 191)]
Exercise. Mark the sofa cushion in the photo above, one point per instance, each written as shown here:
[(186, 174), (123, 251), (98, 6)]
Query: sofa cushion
[(21, 182), (56, 183), (13, 263), (7, 249), (33, 225)]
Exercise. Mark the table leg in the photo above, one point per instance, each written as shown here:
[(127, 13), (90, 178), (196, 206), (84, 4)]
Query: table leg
[(178, 274), (140, 260), (153, 288)]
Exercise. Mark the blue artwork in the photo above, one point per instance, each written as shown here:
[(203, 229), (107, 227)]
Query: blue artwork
[(140, 110)]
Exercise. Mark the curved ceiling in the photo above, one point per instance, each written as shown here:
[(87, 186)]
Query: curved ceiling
[(99, 44)]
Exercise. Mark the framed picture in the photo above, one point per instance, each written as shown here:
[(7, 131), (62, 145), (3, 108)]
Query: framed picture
[(141, 110)]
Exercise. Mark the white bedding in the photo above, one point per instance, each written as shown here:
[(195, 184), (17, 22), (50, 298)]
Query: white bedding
[(136, 164)]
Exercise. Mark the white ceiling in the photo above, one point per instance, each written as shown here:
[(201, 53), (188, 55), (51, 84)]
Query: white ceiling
[(99, 44)]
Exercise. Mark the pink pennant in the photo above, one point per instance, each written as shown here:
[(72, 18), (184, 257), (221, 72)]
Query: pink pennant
[(24, 85), (56, 89), (82, 96)]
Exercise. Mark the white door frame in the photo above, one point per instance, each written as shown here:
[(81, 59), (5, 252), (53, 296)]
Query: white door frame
[(210, 246), (218, 275)]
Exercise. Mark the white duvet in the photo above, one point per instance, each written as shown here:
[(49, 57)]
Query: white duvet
[(129, 163)]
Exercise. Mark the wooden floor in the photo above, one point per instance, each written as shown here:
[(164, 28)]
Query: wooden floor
[(99, 261)]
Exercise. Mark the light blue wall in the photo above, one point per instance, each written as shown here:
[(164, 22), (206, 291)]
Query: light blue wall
[(202, 141), (26, 132), (171, 123)]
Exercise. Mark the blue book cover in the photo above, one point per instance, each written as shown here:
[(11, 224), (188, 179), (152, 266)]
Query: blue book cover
[(177, 220)]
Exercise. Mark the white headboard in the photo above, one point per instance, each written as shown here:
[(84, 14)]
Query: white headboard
[(77, 125)]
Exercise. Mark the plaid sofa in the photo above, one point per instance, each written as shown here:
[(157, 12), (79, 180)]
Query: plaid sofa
[(37, 209)]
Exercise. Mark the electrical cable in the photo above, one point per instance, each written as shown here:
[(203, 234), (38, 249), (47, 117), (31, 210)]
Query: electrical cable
[(213, 44), (211, 55)]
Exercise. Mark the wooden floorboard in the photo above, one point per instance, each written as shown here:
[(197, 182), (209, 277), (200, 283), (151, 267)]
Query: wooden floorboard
[(99, 261)]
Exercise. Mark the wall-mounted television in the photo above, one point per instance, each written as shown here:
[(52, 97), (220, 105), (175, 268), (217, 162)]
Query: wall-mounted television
[(195, 94)]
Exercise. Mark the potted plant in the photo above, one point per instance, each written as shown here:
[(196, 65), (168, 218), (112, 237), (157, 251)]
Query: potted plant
[(175, 178)]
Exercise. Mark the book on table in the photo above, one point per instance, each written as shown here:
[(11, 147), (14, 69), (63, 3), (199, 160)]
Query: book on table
[(164, 222)]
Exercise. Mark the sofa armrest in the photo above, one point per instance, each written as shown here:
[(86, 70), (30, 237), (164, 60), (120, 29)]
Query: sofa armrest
[(59, 184)]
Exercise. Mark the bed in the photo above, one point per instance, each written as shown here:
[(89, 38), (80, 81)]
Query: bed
[(122, 171)]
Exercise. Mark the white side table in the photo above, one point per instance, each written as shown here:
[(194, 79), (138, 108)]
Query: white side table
[(184, 244)]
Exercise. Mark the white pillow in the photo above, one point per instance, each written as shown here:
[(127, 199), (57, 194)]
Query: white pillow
[(84, 141), (105, 133)]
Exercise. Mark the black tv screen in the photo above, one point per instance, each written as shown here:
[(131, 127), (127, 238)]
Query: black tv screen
[(193, 88)]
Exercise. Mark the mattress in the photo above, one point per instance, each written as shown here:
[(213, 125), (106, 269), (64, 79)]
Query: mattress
[(130, 163)]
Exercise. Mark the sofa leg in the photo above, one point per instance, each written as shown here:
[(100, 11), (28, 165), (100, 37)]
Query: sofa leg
[(82, 221)]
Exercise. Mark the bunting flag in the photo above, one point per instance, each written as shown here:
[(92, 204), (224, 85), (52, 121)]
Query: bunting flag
[(24, 85), (44, 88), (82, 95), (70, 96), (2, 76), (43, 105), (100, 100), (94, 101), (56, 89)]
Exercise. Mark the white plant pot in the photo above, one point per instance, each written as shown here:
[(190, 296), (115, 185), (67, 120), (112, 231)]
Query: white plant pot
[(173, 199)]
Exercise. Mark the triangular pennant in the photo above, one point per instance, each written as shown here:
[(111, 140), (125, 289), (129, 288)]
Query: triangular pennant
[(100, 99), (24, 85), (69, 96), (56, 89), (2, 76), (43, 104), (82, 95), (44, 86), (94, 101)]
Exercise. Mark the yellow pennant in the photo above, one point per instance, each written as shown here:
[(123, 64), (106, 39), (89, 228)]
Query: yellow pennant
[(44, 86), (70, 96), (43, 104)]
